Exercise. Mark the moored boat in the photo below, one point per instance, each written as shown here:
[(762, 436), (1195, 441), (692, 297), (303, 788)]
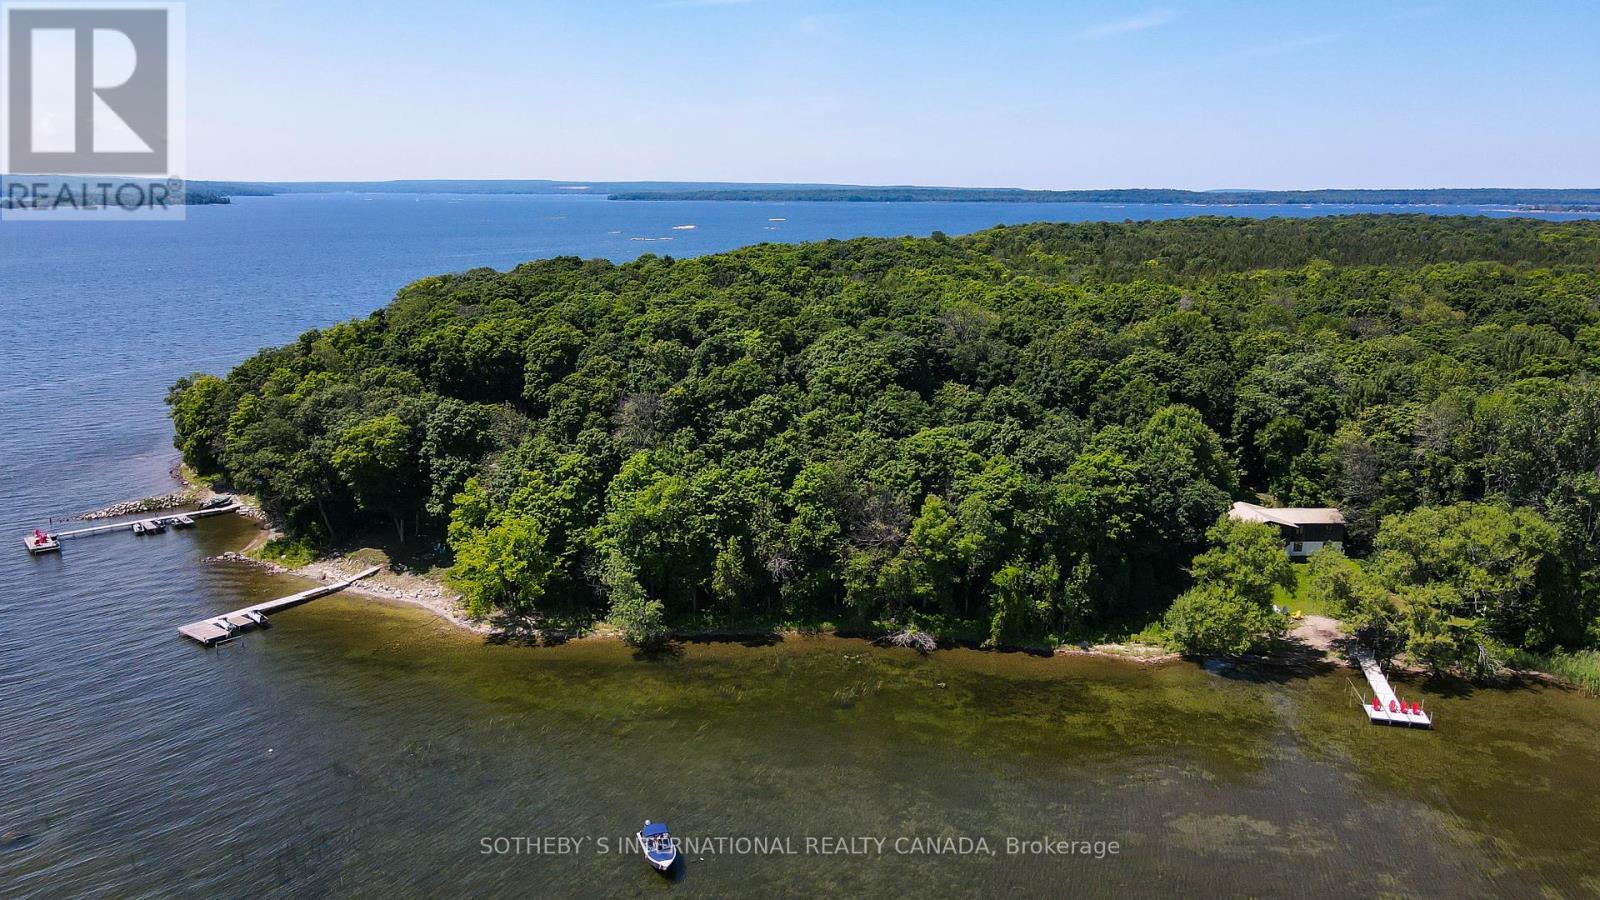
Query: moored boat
[(658, 845)]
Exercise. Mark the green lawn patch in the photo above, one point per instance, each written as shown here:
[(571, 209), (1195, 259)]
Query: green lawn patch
[(1298, 600), (290, 553)]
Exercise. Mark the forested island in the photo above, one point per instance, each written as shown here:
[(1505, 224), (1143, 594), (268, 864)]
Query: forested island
[(1571, 200), (202, 197), (1029, 434), (48, 201)]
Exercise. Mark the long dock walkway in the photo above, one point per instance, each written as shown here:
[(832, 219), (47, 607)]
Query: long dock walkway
[(148, 520), (228, 626), (1388, 709)]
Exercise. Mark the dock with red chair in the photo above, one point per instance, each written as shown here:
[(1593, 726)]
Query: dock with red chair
[(41, 541), (1384, 707)]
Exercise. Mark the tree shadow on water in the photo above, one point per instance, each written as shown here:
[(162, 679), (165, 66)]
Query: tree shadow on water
[(666, 651), (742, 638), (520, 631), (1456, 687), (1287, 659)]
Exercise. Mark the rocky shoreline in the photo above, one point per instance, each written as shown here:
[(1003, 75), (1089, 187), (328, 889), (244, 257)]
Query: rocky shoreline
[(148, 504), (389, 585), (235, 558), (191, 493)]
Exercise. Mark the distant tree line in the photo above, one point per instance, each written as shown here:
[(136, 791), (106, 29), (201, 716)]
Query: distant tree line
[(1026, 432), (1574, 199)]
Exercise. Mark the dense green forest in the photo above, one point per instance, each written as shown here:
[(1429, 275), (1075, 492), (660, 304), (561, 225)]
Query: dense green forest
[(1030, 432)]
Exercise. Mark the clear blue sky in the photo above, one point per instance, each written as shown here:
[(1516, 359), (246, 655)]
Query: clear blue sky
[(1042, 95)]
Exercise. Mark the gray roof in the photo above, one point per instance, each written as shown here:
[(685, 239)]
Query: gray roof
[(1294, 516)]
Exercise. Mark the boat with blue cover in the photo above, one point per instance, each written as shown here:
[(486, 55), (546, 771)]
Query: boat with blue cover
[(658, 845)]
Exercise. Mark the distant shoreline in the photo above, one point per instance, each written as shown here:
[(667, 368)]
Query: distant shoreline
[(1530, 200)]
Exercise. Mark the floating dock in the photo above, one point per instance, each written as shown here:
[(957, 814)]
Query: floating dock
[(1387, 712), (39, 542), (221, 629), (148, 525)]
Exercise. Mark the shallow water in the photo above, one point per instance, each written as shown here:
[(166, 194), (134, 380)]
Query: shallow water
[(362, 748)]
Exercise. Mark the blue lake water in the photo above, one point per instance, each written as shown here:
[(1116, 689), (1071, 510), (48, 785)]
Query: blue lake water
[(354, 752)]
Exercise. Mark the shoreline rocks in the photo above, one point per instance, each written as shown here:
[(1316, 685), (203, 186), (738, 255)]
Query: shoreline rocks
[(148, 504), (233, 557), (191, 493)]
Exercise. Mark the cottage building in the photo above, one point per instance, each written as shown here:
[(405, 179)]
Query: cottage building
[(1305, 530)]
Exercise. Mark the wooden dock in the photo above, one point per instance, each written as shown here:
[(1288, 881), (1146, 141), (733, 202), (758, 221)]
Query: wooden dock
[(39, 542), (1389, 709), (147, 525), (221, 629)]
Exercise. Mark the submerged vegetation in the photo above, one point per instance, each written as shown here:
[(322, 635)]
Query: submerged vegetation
[(1025, 433)]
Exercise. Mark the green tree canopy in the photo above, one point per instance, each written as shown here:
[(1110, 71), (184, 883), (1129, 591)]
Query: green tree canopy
[(1025, 431), (1229, 610)]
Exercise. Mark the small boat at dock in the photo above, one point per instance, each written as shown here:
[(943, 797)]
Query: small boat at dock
[(41, 541), (658, 846)]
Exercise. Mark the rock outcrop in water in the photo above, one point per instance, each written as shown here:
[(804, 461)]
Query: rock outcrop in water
[(148, 504), (244, 559)]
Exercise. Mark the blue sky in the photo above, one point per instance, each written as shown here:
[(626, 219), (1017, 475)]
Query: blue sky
[(1041, 95)]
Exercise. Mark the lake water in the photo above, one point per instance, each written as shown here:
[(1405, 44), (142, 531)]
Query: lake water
[(358, 748)]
